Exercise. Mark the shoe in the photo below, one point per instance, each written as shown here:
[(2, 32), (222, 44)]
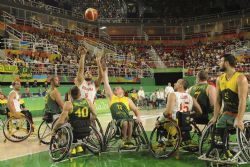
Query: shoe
[(79, 149), (129, 144), (123, 143), (159, 149), (225, 157), (73, 151)]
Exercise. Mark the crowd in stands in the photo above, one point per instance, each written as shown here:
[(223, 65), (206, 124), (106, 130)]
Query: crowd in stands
[(106, 8), (131, 60)]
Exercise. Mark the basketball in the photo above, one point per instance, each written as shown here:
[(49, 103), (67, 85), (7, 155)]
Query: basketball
[(91, 14)]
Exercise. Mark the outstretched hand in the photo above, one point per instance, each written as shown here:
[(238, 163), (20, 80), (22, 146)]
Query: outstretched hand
[(99, 55), (82, 50)]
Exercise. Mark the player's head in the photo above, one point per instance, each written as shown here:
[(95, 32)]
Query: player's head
[(55, 81), (180, 85), (227, 61), (2, 96), (16, 85), (169, 84), (88, 76), (119, 91), (202, 76), (75, 93)]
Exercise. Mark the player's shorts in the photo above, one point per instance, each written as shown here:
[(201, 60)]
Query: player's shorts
[(226, 119), (121, 115), (121, 121)]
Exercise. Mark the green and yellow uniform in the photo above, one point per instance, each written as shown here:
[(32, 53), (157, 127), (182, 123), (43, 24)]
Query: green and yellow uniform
[(229, 94), (119, 107), (51, 105), (200, 93), (79, 118), (3, 106)]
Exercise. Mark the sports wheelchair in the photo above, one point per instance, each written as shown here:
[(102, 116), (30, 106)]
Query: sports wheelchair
[(113, 134), (16, 130), (62, 142), (171, 135), (233, 149), (46, 126)]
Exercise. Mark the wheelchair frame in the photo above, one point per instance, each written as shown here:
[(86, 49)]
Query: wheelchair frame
[(242, 144), (43, 134), (65, 149), (113, 134)]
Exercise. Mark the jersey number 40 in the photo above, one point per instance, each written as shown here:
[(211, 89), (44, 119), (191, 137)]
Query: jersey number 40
[(82, 112)]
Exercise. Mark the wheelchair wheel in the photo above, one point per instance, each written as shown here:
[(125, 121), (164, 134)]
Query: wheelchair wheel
[(140, 136), (99, 127), (205, 140), (93, 142), (44, 131), (60, 143), (244, 140), (110, 136), (17, 130), (165, 140)]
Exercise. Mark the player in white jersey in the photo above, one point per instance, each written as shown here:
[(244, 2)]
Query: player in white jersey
[(180, 101), (14, 105), (179, 105), (84, 81)]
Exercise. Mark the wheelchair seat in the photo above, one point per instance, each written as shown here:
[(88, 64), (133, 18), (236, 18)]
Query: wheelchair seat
[(184, 121)]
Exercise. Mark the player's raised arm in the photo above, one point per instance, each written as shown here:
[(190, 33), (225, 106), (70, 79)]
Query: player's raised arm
[(98, 81), (107, 87), (80, 73)]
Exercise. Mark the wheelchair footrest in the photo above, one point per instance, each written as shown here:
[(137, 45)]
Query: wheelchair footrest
[(128, 148), (232, 161)]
